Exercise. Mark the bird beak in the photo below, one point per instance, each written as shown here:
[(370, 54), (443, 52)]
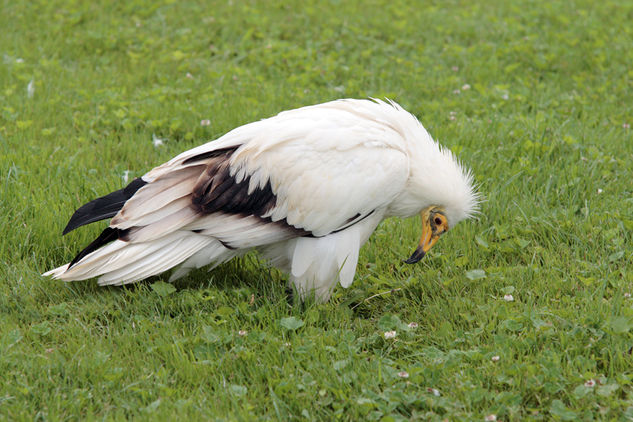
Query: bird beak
[(426, 241)]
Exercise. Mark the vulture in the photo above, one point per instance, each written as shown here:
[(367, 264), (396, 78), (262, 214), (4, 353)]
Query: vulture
[(305, 188)]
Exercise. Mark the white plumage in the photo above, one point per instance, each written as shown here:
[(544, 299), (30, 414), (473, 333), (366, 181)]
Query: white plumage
[(305, 188)]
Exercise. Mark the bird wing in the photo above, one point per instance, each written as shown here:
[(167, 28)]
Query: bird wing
[(306, 172), (321, 177)]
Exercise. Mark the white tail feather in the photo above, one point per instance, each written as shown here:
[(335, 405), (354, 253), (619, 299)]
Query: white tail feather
[(169, 255), (56, 272), (120, 262), (213, 254)]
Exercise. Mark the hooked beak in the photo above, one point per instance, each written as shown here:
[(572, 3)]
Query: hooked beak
[(426, 241)]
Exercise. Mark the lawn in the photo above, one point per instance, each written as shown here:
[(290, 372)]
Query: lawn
[(524, 313)]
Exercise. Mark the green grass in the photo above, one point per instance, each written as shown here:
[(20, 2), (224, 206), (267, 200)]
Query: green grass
[(544, 127)]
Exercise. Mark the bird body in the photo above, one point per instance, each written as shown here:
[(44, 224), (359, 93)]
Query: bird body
[(306, 188)]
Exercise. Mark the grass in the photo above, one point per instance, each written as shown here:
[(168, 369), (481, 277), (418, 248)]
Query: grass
[(534, 96)]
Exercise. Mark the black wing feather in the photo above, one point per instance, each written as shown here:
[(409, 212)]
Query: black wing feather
[(104, 207), (106, 236)]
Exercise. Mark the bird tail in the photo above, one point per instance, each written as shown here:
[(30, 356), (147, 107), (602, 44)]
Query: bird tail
[(56, 272), (121, 262)]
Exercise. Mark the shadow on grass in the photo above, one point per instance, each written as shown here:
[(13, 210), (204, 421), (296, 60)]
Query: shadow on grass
[(238, 277), (242, 279)]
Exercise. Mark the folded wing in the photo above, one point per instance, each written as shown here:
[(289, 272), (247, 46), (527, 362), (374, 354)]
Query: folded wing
[(308, 173)]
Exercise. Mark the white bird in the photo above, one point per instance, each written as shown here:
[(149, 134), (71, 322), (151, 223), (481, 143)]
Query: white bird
[(305, 188)]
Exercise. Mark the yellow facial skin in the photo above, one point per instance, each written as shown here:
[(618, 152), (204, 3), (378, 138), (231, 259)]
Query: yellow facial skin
[(434, 224)]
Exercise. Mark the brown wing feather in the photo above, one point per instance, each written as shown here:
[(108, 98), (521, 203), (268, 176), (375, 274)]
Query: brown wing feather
[(218, 191)]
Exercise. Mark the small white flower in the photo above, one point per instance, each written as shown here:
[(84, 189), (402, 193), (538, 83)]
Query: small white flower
[(413, 325), (465, 87), (495, 358), (599, 191), (626, 126), (505, 96), (242, 332), (457, 92), (433, 391), (627, 295), (390, 334), (30, 89), (287, 344), (590, 383), (19, 60), (189, 75), (508, 298), (490, 418), (403, 374), (205, 122), (126, 174), (157, 141)]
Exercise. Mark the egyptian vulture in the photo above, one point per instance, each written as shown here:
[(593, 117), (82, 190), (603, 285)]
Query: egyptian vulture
[(305, 188)]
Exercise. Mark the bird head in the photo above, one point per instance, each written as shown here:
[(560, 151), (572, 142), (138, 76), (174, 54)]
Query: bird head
[(434, 225), (447, 194), (450, 190), (439, 188)]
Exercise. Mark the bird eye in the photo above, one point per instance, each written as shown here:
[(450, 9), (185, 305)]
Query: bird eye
[(438, 221)]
